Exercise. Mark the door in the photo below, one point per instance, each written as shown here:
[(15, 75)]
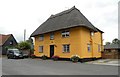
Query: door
[(51, 50)]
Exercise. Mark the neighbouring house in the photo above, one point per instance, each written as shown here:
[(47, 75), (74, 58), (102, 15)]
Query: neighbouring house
[(111, 51), (6, 41), (66, 34)]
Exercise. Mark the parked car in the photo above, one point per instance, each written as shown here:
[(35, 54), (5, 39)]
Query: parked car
[(25, 53), (14, 53)]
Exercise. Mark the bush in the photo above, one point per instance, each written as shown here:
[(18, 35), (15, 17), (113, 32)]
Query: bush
[(10, 47), (75, 58), (44, 57), (32, 56), (55, 58), (24, 45)]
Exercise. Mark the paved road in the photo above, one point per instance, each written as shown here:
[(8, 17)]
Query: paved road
[(49, 67)]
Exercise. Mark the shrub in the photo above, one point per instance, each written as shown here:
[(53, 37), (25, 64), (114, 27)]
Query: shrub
[(44, 57), (55, 58), (32, 56), (10, 47), (24, 45), (75, 58)]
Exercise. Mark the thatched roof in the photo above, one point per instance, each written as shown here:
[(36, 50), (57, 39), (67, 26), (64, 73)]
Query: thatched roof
[(66, 19)]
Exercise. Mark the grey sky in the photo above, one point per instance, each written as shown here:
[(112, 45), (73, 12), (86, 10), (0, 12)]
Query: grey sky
[(17, 15)]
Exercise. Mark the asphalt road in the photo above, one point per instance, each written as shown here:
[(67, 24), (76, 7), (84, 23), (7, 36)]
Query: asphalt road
[(49, 67)]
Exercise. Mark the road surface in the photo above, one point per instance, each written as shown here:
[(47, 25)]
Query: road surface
[(49, 67)]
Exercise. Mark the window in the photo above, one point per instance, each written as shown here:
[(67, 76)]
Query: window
[(41, 37), (51, 36), (99, 47), (10, 51), (89, 47), (40, 49), (92, 33), (65, 33), (66, 48), (11, 42)]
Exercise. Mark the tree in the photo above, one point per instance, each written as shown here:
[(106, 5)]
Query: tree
[(30, 40), (24, 45), (116, 41)]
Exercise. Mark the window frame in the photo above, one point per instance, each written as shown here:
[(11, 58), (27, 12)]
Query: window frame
[(65, 33), (89, 47), (92, 33), (66, 48), (52, 36), (41, 37), (40, 49), (11, 42)]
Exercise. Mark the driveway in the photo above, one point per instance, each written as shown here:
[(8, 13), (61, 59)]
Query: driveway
[(113, 62), (49, 67)]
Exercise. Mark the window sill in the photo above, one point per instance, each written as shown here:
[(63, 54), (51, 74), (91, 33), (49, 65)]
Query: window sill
[(51, 39), (40, 52), (41, 40), (66, 37), (66, 52), (89, 51)]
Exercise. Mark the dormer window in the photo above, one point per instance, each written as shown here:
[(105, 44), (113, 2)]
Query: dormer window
[(65, 33)]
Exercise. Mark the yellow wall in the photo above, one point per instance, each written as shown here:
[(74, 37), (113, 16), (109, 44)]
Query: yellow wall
[(78, 40), (94, 40), (85, 40), (97, 40)]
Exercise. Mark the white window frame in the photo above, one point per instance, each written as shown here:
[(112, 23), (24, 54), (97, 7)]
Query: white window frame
[(51, 36), (41, 49), (66, 48), (65, 33)]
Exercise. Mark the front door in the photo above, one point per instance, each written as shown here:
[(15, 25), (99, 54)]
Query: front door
[(51, 50)]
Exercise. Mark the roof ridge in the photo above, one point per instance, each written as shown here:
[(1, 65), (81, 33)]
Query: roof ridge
[(63, 12)]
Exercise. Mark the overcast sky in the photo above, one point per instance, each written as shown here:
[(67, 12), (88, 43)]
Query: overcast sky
[(17, 15)]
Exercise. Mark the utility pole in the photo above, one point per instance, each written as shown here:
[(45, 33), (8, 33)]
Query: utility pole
[(24, 34)]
